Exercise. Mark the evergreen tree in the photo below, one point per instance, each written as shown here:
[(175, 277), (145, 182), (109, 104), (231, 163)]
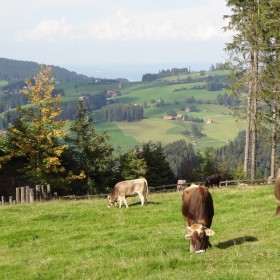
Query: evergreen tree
[(158, 170), (131, 166), (90, 151)]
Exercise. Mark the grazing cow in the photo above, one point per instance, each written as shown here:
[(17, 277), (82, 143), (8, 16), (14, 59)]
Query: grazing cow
[(212, 180), (129, 188), (198, 210), (277, 191)]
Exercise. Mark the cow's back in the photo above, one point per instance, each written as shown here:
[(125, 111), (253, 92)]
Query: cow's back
[(132, 187), (197, 206)]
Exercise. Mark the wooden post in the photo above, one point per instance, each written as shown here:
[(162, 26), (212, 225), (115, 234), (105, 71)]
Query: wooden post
[(2, 200), (31, 195), (18, 195), (22, 194), (27, 194), (43, 192), (38, 192), (10, 199), (49, 194)]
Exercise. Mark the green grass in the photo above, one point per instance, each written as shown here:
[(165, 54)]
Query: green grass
[(86, 240)]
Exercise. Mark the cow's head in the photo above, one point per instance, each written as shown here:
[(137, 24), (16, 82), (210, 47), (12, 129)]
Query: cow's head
[(199, 237), (112, 200)]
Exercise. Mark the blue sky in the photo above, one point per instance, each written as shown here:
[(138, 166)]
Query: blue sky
[(109, 32)]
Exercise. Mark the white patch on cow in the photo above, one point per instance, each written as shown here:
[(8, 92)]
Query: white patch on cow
[(193, 186), (199, 251), (209, 232)]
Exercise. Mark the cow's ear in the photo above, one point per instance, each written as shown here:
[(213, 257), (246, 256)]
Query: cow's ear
[(209, 232), (189, 234)]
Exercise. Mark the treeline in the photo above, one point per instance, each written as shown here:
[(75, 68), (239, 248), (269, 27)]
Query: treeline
[(119, 112), (15, 70), (148, 77)]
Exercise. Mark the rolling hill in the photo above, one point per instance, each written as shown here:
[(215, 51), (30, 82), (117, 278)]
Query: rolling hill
[(158, 98)]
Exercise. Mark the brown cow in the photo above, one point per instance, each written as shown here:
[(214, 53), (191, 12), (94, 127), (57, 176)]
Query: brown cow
[(277, 191), (212, 180), (198, 210), (129, 188)]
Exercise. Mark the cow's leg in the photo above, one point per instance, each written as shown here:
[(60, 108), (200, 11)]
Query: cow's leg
[(142, 199), (146, 198), (120, 201), (191, 248), (124, 200)]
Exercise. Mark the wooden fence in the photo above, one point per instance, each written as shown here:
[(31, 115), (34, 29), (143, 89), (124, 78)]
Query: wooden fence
[(28, 195), (43, 192)]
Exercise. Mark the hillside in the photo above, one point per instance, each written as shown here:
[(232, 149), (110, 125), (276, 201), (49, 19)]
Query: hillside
[(15, 70), (201, 119)]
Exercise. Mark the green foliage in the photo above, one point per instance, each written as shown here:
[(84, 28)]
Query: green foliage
[(13, 70), (119, 112), (90, 151), (131, 166), (158, 170), (86, 240), (182, 159)]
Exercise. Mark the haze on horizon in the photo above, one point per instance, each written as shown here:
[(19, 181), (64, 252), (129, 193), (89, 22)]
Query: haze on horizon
[(85, 34)]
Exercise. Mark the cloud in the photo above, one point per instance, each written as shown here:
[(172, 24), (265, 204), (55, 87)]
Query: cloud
[(185, 25), (48, 31)]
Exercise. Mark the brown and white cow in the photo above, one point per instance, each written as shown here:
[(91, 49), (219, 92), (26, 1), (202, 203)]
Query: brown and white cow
[(198, 210), (277, 191), (127, 189)]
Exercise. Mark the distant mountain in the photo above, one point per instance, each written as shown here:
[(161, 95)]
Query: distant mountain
[(17, 70)]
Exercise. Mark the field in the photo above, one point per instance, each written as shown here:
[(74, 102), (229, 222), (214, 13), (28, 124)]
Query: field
[(86, 240), (126, 135)]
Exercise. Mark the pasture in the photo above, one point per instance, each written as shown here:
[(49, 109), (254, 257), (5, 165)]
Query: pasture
[(153, 128), (86, 240)]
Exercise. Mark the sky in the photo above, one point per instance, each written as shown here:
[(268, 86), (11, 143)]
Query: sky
[(86, 35)]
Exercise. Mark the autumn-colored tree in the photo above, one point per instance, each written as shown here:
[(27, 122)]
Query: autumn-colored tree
[(35, 134)]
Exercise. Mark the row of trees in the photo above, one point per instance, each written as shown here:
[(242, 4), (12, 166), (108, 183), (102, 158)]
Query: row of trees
[(254, 59), (119, 112)]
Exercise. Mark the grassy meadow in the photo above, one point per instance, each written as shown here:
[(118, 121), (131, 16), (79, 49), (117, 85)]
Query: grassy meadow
[(86, 240)]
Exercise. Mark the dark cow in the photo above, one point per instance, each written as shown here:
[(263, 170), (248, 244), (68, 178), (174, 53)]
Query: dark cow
[(126, 189), (212, 180), (198, 210), (277, 191)]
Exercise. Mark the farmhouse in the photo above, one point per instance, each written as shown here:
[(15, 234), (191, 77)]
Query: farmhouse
[(168, 117), (179, 117), (82, 98), (209, 121)]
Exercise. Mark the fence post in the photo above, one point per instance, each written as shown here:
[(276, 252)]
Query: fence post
[(31, 195), (49, 194), (10, 199), (2, 200), (17, 195), (38, 192), (27, 194), (22, 194), (43, 192)]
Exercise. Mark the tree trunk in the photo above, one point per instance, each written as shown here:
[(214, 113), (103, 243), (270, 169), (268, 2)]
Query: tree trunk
[(254, 116), (273, 142)]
